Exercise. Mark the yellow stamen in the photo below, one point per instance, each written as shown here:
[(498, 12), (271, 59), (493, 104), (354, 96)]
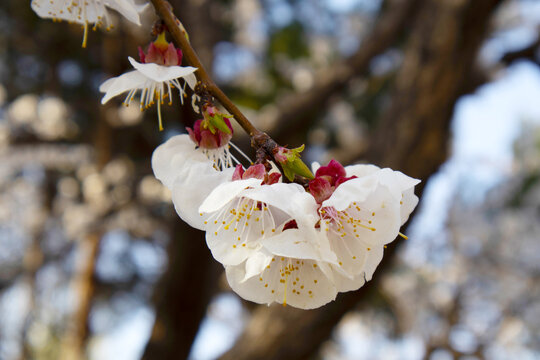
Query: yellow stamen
[(85, 36), (159, 115), (403, 236), (285, 292)]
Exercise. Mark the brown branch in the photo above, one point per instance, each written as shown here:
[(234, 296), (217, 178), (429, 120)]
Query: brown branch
[(176, 29), (259, 139)]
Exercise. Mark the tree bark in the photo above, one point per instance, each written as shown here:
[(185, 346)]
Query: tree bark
[(183, 294)]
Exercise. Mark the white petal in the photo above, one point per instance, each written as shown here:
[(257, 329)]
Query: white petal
[(396, 181), (373, 260), (315, 166), (382, 214), (257, 263), (292, 243), (402, 188), (88, 11), (299, 283), (350, 251), (232, 249), (350, 191), (408, 203), (127, 8), (233, 234), (191, 80), (160, 73), (361, 170), (169, 158), (226, 192), (192, 185), (406, 182), (79, 12), (288, 197), (344, 283), (375, 220), (388, 178), (117, 85)]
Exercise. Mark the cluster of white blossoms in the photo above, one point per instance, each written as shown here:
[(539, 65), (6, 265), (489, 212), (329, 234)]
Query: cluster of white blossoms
[(283, 242), (279, 242)]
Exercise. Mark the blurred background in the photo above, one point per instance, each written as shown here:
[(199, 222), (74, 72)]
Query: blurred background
[(95, 264)]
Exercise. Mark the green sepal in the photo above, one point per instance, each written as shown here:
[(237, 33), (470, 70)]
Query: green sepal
[(208, 125), (218, 122), (289, 174), (301, 169), (295, 166)]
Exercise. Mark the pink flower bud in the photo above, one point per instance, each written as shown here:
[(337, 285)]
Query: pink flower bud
[(206, 139), (170, 56), (161, 52), (341, 180), (273, 178), (321, 189), (238, 172), (154, 55), (257, 171), (281, 154), (327, 179), (334, 169), (141, 55), (209, 140)]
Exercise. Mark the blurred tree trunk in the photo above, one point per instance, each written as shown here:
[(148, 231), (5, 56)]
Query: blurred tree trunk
[(412, 136), (183, 294)]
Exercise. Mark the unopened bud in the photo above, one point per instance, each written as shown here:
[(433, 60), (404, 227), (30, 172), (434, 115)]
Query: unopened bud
[(290, 162)]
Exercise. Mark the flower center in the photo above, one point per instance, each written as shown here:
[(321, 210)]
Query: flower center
[(348, 221), (246, 220)]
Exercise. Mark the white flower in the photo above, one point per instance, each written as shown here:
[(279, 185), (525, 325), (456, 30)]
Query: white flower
[(239, 221), (361, 209), (279, 242), (265, 236), (215, 145), (87, 11), (190, 176), (154, 81)]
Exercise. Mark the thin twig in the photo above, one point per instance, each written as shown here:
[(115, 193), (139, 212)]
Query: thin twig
[(259, 139), (180, 37)]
